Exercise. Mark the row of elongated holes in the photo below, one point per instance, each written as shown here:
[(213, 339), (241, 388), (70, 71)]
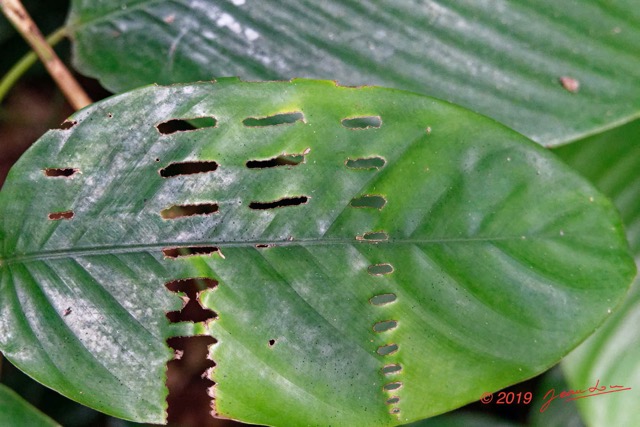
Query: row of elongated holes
[(196, 123), (391, 348), (203, 122), (196, 167), (187, 168)]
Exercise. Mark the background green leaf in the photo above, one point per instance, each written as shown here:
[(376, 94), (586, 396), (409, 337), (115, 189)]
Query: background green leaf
[(501, 58), (464, 419), (16, 412), (612, 355), (611, 161), (498, 252), (559, 413)]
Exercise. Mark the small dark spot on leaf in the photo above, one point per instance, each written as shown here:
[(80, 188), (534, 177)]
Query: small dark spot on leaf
[(272, 342), (67, 311)]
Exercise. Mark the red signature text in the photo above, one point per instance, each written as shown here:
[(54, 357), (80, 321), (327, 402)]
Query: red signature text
[(568, 395)]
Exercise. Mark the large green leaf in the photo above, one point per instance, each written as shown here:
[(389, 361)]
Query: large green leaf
[(476, 260), (502, 58), (612, 355), (16, 412)]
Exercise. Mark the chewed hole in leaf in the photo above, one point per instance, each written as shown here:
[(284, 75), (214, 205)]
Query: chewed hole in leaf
[(395, 411), (188, 379), (185, 125), (193, 311), (375, 202), (383, 299), (188, 168), (366, 163), (386, 350), (380, 269), (60, 172), (185, 251), (264, 245), (385, 325), (275, 120), (56, 216), (374, 236), (283, 160), (364, 122), (281, 203), (392, 400), (392, 386), (67, 124), (272, 342), (196, 283), (393, 368), (181, 211)]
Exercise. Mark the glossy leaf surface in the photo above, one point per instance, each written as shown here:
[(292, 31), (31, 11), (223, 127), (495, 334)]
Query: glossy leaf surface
[(516, 61), (487, 260), (16, 412), (612, 162)]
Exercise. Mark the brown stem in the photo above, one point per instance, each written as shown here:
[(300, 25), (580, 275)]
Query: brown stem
[(18, 16)]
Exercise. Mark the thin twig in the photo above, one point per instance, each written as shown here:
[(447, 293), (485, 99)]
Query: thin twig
[(18, 16), (26, 62)]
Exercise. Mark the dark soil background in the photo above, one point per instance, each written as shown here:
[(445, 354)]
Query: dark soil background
[(32, 107)]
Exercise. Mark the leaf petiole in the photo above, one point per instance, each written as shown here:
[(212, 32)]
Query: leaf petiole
[(26, 62)]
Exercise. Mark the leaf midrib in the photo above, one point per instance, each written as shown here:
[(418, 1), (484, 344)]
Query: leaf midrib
[(133, 248)]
